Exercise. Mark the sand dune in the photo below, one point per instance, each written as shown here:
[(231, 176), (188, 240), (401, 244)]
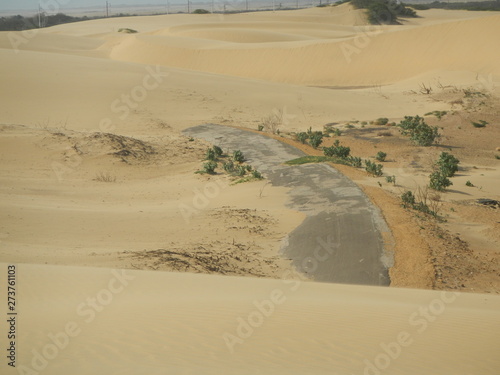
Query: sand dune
[(178, 323)]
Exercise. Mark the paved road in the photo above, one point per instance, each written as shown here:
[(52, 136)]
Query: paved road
[(340, 240)]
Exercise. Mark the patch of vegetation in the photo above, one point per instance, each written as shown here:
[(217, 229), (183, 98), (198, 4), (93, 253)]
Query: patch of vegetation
[(208, 167), (480, 124), (469, 5), (105, 177), (381, 121), (468, 183), (354, 161), (439, 182), (447, 164), (373, 168), (419, 132), (302, 137), (127, 31), (391, 179), (381, 156), (438, 114), (337, 150), (315, 139), (260, 127), (410, 201), (238, 156), (349, 126), (201, 11), (384, 11)]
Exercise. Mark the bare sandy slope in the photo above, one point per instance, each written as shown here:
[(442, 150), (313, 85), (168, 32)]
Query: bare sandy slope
[(114, 322)]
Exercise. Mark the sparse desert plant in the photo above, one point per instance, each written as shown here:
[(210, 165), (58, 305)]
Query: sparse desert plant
[(468, 183), (201, 11), (337, 150), (228, 166), (260, 127), (438, 181), (349, 126), (105, 177), (218, 151), (238, 156), (381, 121), (240, 170), (315, 139), (480, 124), (418, 130), (364, 123), (127, 31), (381, 156), (256, 174), (302, 137), (438, 114), (391, 179), (209, 167), (373, 168), (408, 199), (210, 154), (497, 157), (384, 133), (447, 164), (337, 132), (273, 121), (354, 161)]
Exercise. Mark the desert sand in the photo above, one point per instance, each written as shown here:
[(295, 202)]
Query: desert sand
[(96, 176)]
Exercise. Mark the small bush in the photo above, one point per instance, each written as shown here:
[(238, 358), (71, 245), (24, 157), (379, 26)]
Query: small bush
[(240, 170), (201, 11), (217, 150), (391, 179), (127, 31), (438, 114), (256, 174), (315, 139), (105, 177), (209, 167), (468, 183), (418, 130), (238, 156), (210, 154), (381, 156), (228, 167), (381, 121), (373, 168), (260, 127), (354, 161), (439, 182), (302, 137), (408, 199), (337, 150), (448, 164), (480, 124)]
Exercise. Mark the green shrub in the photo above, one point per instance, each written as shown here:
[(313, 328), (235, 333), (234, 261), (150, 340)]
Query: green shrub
[(408, 199), (238, 156), (127, 31), (480, 124), (240, 170), (438, 181), (315, 139), (438, 114), (256, 174), (381, 121), (418, 130), (302, 137), (447, 164), (228, 167), (381, 156), (209, 167), (260, 127), (373, 168), (470, 184), (354, 161), (391, 179), (218, 151), (337, 150), (210, 154), (201, 11)]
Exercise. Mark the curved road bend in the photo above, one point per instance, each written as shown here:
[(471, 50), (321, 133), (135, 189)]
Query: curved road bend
[(340, 240)]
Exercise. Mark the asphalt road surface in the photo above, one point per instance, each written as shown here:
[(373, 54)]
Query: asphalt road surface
[(340, 241)]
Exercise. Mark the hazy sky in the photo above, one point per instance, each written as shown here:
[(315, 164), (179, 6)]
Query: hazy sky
[(62, 4)]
